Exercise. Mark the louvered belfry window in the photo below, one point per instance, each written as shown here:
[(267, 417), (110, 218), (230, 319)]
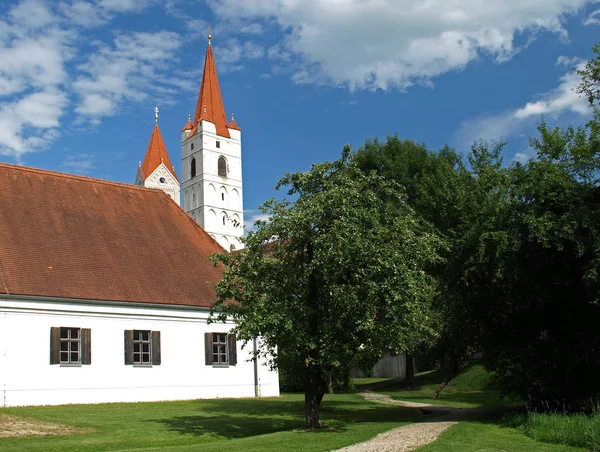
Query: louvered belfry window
[(222, 167)]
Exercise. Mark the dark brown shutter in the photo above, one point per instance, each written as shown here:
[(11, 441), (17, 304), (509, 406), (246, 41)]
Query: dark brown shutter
[(156, 348), (86, 346), (208, 348), (54, 345), (232, 349), (128, 346)]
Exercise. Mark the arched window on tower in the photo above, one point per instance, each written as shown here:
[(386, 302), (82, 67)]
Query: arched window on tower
[(222, 167), (193, 167)]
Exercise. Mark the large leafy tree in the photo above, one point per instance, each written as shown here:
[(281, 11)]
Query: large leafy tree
[(437, 187), (338, 270)]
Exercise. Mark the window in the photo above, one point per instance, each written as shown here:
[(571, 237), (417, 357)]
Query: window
[(222, 167), (220, 349), (222, 196), (69, 345), (192, 147), (218, 144), (193, 167), (223, 220), (162, 180), (142, 347)]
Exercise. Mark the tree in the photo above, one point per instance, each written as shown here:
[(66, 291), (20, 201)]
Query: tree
[(590, 79), (437, 188), (338, 270)]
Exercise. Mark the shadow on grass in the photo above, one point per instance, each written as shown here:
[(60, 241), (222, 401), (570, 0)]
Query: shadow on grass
[(263, 417)]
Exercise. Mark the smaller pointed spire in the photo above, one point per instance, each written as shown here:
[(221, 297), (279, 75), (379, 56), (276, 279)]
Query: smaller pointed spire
[(232, 124), (188, 125)]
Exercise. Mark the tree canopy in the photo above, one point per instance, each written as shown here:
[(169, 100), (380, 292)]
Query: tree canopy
[(339, 270)]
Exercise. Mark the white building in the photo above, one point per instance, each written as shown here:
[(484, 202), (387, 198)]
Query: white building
[(211, 153), (105, 288)]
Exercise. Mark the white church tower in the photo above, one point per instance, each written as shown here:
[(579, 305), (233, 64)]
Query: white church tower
[(211, 153), (156, 171)]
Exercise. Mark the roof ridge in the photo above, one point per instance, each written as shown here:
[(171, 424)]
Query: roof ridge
[(77, 177)]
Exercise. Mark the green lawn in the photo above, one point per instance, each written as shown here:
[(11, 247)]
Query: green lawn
[(276, 424), (223, 424), (489, 437)]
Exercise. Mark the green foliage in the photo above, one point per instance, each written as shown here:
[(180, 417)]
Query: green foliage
[(579, 430), (340, 269), (590, 79)]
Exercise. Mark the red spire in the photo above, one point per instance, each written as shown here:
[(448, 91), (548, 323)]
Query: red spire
[(188, 126), (210, 104), (233, 125), (155, 155)]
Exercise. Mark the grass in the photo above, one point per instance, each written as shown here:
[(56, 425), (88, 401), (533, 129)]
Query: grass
[(277, 424), (470, 389), (221, 424), (579, 430), (480, 436)]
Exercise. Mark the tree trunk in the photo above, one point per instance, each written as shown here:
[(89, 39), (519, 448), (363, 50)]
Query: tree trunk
[(329, 383), (409, 381), (313, 395), (449, 378)]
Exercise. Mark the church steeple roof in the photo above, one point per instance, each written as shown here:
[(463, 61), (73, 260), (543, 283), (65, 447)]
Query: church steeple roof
[(156, 154), (210, 104)]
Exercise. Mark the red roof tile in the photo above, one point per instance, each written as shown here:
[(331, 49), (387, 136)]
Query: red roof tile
[(156, 154), (210, 104), (68, 236)]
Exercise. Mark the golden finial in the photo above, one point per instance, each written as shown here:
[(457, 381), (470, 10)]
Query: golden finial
[(189, 117), (232, 116), (209, 35), (156, 113)]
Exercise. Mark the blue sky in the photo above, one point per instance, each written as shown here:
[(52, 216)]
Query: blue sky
[(79, 79)]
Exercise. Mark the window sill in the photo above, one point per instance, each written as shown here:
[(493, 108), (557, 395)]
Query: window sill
[(142, 365), (70, 364), (220, 365)]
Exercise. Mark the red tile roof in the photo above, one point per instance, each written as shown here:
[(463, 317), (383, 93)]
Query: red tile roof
[(75, 237), (156, 154), (210, 104)]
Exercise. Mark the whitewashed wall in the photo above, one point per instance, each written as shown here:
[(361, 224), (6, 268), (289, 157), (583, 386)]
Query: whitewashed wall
[(28, 378)]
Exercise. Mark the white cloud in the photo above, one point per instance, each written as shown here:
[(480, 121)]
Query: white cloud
[(33, 53), (31, 14), (371, 44), (134, 65), (251, 216), (78, 163), (232, 53), (563, 99), (593, 18)]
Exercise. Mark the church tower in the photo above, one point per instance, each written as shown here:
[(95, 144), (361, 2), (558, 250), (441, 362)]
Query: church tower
[(156, 171), (211, 153)]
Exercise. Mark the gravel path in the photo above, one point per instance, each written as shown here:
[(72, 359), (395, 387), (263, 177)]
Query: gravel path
[(411, 436)]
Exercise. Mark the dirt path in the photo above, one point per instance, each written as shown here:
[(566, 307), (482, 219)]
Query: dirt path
[(411, 436), (14, 426)]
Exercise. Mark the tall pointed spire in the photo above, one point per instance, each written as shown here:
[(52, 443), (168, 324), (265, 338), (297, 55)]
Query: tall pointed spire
[(210, 104), (156, 153)]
